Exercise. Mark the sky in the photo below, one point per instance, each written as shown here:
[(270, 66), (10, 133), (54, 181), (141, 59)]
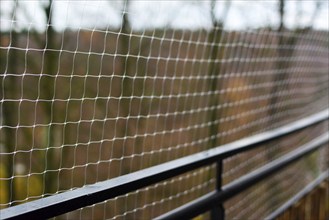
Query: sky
[(106, 14)]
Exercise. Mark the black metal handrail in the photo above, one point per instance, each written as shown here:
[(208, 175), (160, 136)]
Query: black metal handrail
[(71, 200), (202, 205)]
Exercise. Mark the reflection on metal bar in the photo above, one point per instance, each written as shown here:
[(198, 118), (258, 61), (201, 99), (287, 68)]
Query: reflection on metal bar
[(71, 200), (205, 203)]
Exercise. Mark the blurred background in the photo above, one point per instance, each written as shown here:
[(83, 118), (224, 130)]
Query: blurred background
[(30, 15), (92, 90)]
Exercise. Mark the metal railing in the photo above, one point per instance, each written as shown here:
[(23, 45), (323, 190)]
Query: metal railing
[(71, 200)]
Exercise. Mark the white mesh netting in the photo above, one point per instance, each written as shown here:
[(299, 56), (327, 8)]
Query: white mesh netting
[(91, 90)]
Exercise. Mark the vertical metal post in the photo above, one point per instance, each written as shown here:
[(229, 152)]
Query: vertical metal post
[(218, 211)]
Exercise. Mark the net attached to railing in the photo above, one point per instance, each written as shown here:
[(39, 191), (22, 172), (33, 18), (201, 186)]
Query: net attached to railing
[(86, 104)]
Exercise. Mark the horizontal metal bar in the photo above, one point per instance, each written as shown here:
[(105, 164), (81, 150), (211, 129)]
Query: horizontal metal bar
[(298, 196), (68, 201), (205, 203)]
